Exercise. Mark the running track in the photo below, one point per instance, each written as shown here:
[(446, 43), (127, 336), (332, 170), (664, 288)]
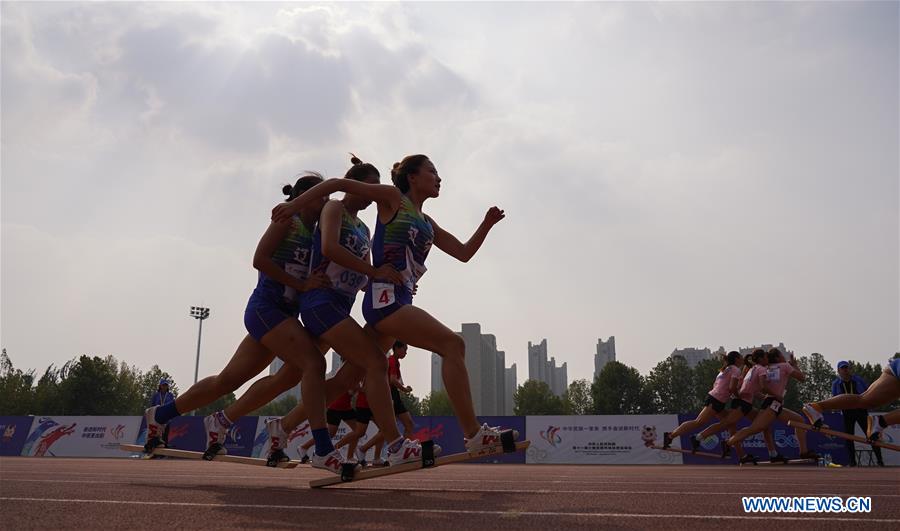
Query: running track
[(43, 493)]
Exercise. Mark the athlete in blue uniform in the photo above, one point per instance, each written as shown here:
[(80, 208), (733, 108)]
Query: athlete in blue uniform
[(282, 258), (403, 238), (883, 391)]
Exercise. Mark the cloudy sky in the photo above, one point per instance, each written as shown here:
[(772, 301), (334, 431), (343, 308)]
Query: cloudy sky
[(675, 175)]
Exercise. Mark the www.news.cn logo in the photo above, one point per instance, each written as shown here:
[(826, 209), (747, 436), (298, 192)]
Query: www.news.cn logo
[(551, 435)]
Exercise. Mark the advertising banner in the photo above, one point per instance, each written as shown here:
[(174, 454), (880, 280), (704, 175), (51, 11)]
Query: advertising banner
[(599, 439), (784, 437), (60, 436), (13, 431)]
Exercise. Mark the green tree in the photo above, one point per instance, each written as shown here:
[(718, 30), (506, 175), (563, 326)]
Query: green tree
[(577, 399), (619, 390), (819, 375), (670, 385), (15, 388), (437, 403), (88, 387), (703, 376), (867, 372), (536, 398), (46, 398), (412, 403)]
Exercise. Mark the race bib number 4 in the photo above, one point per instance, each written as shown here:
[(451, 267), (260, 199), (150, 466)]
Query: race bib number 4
[(382, 295)]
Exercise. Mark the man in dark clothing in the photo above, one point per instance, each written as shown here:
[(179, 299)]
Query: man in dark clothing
[(849, 383)]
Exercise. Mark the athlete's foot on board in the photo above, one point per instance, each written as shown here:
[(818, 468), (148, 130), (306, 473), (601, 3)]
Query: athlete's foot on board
[(814, 415), (378, 462), (278, 456), (778, 458), (406, 451), (726, 450), (155, 430), (874, 428), (748, 458), (487, 437), (277, 436), (695, 444), (216, 430), (305, 458), (331, 462), (667, 440)]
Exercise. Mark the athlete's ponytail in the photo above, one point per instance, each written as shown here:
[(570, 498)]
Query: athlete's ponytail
[(774, 355), (748, 360), (731, 359), (758, 355), (402, 170), (306, 181), (360, 170)]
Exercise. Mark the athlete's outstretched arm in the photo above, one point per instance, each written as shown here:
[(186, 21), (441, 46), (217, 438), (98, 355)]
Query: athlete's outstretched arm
[(262, 260), (387, 196), (330, 225), (465, 251)]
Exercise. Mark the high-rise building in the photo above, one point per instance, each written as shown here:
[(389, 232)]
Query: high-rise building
[(692, 355), (510, 384), (543, 370), (486, 368), (606, 352), (767, 347)]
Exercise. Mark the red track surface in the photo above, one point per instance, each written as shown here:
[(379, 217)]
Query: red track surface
[(168, 493)]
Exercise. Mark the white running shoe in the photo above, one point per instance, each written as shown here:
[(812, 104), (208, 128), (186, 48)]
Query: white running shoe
[(216, 430), (331, 462), (815, 418), (873, 433), (155, 430), (277, 436), (410, 451), (487, 437)]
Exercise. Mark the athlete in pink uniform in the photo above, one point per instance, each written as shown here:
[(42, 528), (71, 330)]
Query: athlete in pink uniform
[(725, 385), (742, 406), (773, 384)]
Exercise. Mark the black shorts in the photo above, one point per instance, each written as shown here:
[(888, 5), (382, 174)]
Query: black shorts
[(363, 415), (717, 406), (399, 406), (772, 403), (335, 416), (743, 405)]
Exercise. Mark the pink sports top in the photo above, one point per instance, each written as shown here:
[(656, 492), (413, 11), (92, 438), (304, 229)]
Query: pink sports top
[(721, 389)]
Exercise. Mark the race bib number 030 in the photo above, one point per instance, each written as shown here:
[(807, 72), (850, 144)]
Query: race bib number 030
[(382, 295)]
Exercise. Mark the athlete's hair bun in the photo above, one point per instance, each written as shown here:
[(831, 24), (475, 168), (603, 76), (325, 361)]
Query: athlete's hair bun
[(287, 190), (355, 160)]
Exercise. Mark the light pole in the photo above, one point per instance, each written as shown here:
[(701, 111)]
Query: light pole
[(200, 313)]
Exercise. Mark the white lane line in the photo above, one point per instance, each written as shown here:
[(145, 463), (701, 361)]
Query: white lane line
[(454, 511), (585, 481), (510, 491)]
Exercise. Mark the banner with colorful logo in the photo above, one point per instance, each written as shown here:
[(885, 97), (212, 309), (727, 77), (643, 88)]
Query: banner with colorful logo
[(13, 432), (599, 439), (80, 436), (783, 436)]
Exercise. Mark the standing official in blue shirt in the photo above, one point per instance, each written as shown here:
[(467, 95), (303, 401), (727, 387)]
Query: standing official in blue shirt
[(162, 396), (852, 384)]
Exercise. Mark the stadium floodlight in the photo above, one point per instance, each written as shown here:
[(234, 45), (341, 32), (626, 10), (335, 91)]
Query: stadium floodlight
[(200, 313)]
